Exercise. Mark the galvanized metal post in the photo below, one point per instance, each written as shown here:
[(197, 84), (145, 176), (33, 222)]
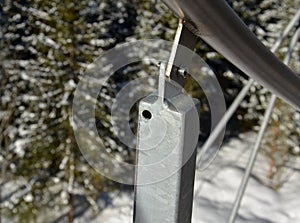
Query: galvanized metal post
[(165, 173), (168, 133)]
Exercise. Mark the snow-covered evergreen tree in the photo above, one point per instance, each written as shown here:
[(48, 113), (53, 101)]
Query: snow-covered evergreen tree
[(48, 46)]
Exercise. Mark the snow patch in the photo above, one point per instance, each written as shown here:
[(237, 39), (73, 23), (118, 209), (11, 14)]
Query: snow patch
[(216, 188)]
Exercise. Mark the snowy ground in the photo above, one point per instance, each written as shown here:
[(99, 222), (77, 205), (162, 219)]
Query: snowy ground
[(216, 187)]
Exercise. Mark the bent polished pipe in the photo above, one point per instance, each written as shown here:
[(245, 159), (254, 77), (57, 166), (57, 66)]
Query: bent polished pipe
[(218, 25)]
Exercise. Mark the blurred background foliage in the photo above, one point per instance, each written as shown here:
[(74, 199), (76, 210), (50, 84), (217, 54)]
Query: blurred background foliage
[(45, 48)]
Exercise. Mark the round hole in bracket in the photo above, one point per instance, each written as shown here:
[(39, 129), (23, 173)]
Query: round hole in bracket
[(146, 114)]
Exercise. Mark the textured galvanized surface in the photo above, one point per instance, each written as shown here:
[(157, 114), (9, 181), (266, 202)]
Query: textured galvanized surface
[(166, 160), (216, 23)]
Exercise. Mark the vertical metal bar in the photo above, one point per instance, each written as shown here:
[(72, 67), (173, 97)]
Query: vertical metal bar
[(252, 159), (238, 100), (262, 131), (287, 30), (166, 160), (292, 45), (223, 122), (164, 191)]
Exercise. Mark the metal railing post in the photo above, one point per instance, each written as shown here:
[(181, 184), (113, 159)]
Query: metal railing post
[(168, 130)]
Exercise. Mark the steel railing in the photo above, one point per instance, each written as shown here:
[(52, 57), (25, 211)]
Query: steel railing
[(217, 24)]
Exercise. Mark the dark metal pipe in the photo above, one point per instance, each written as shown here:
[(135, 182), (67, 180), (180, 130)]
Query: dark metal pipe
[(217, 24)]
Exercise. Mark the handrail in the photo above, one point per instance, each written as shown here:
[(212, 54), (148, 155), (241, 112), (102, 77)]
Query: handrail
[(217, 24), (240, 97), (261, 133)]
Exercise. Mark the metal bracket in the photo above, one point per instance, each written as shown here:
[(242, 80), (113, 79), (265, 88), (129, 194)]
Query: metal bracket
[(187, 39)]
